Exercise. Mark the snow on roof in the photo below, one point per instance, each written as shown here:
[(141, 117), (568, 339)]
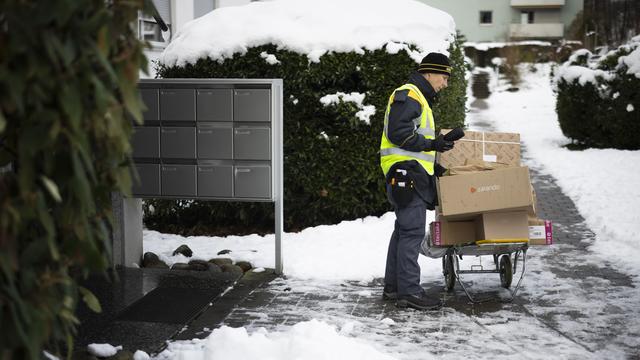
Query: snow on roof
[(314, 28)]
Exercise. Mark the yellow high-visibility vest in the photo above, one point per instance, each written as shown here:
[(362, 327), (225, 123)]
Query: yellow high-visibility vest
[(390, 153)]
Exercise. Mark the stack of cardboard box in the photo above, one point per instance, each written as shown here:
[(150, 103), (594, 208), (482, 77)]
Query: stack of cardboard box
[(486, 194)]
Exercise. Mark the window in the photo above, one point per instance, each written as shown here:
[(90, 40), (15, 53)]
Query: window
[(526, 17), (486, 17), (148, 28)]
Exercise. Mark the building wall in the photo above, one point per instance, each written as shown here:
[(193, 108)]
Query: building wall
[(466, 14), (547, 16)]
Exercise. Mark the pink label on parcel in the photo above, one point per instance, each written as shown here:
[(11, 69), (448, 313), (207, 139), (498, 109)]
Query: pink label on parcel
[(437, 240), (548, 227)]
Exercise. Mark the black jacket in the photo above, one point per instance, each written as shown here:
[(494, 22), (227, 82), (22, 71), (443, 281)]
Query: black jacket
[(401, 131)]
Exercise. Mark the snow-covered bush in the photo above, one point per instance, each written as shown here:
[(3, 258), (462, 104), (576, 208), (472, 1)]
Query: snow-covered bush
[(334, 102), (599, 97)]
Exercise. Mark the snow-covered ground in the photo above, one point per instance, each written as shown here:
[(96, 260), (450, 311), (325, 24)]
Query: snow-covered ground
[(602, 183)]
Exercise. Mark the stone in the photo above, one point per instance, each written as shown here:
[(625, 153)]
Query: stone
[(180, 266), (234, 269), (221, 261), (199, 265), (244, 265), (122, 355), (184, 250), (214, 268), (159, 265), (151, 260), (224, 252)]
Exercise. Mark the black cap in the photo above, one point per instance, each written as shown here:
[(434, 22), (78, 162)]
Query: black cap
[(435, 63)]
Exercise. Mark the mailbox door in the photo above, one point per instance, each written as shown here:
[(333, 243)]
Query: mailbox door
[(252, 143), (178, 142), (177, 105), (252, 181), (214, 105), (252, 105), (215, 180), (150, 100), (178, 180), (148, 183), (215, 141), (146, 142)]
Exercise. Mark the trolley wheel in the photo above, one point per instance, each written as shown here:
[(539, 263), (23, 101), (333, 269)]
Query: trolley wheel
[(449, 272), (506, 271)]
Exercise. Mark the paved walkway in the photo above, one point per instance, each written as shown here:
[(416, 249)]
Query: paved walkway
[(573, 304)]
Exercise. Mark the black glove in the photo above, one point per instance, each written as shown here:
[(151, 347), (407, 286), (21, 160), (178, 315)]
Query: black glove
[(439, 144), (439, 170)]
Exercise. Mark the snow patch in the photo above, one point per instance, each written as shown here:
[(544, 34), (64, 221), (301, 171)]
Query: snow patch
[(141, 355), (484, 46), (366, 111), (269, 58), (309, 340), (103, 350)]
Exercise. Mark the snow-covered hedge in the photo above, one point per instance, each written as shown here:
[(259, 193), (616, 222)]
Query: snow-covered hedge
[(599, 97), (335, 99)]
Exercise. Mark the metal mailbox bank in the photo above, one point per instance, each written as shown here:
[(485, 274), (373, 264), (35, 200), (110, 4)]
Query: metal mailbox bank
[(205, 139)]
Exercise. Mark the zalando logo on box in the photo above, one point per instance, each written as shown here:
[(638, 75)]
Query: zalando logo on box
[(484, 188)]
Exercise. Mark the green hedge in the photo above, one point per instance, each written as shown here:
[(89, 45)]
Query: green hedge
[(329, 178), (594, 113), (68, 74)]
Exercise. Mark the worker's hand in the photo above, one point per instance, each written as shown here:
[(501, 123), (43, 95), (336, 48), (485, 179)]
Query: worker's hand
[(439, 170), (442, 145)]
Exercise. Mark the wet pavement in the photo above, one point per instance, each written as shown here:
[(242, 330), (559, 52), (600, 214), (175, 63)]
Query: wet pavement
[(153, 304)]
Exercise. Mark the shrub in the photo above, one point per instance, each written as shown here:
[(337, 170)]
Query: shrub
[(599, 99), (331, 161), (68, 75)]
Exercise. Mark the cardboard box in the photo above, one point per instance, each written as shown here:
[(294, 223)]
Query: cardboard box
[(540, 231), (483, 146), (512, 225), (464, 196), (446, 233), (534, 207)]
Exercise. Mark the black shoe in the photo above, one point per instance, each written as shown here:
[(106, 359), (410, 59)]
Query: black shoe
[(419, 301), (389, 293)]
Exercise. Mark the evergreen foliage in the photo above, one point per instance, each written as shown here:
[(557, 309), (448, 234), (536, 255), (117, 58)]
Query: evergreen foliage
[(603, 113), (331, 161), (68, 76)]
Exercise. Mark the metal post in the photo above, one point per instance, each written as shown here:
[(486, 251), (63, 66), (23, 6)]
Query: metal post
[(127, 231), (278, 174)]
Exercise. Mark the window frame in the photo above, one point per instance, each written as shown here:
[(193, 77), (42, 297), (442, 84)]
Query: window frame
[(483, 12), (144, 18)]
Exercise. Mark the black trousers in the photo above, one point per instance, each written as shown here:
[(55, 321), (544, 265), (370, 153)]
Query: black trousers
[(402, 271)]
